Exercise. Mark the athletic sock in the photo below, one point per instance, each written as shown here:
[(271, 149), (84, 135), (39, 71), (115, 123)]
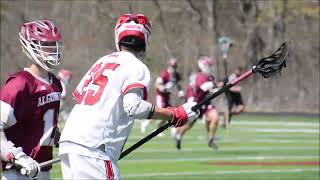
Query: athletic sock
[(178, 137)]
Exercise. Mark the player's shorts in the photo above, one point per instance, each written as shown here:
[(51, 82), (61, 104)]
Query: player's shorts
[(205, 109), (76, 166), (234, 99), (10, 174)]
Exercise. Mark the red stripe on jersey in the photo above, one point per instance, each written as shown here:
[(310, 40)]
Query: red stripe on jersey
[(137, 85), (109, 170)]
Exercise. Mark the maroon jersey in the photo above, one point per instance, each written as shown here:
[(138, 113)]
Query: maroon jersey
[(199, 94), (35, 106), (201, 78), (163, 96), (190, 92)]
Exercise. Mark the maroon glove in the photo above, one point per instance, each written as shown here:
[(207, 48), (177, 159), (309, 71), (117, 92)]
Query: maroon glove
[(180, 117)]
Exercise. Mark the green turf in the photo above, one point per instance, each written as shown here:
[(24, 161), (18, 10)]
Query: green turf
[(241, 142)]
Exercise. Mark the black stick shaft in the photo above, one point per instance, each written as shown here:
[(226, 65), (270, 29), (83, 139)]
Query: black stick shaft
[(194, 108), (144, 140)]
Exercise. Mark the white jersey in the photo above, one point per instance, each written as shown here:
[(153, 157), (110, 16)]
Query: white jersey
[(98, 119)]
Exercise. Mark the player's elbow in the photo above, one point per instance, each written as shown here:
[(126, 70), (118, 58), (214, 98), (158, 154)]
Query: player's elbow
[(135, 107)]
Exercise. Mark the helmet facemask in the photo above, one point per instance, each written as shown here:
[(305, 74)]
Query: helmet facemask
[(46, 54), (206, 65), (205, 68), (172, 65), (42, 42)]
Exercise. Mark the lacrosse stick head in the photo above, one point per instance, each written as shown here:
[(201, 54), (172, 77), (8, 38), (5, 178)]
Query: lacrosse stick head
[(271, 65)]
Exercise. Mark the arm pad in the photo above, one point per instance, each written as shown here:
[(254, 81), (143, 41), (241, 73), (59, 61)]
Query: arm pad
[(207, 86), (135, 106)]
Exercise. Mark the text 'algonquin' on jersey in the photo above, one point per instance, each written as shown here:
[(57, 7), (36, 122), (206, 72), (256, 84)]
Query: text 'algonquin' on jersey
[(54, 96)]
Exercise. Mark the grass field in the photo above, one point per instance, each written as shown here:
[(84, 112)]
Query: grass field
[(253, 147)]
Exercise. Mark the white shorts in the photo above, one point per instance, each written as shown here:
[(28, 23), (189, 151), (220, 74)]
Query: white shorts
[(75, 166), (11, 174)]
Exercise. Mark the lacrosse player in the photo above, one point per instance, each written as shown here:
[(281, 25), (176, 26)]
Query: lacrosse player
[(65, 77), (234, 98), (30, 101), (164, 86), (202, 84), (109, 97)]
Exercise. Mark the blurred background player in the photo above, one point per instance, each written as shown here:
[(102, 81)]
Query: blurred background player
[(201, 85), (30, 101), (109, 98), (234, 98), (165, 84), (65, 77)]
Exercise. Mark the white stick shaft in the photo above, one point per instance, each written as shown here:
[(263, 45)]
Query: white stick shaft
[(23, 171), (50, 162)]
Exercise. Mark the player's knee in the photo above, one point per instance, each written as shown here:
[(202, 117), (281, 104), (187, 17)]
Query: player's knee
[(241, 108)]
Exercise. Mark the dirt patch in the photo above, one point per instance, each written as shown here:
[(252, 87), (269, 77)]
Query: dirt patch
[(304, 163)]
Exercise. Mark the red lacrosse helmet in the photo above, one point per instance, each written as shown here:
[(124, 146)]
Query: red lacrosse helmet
[(65, 76), (42, 42), (205, 64), (133, 29)]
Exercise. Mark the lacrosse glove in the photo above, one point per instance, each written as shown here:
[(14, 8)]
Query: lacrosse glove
[(21, 160), (183, 114)]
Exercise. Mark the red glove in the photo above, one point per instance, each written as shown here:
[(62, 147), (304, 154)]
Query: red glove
[(180, 117)]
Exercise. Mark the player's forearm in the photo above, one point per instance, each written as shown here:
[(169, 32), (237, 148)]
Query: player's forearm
[(134, 106), (235, 89), (162, 113)]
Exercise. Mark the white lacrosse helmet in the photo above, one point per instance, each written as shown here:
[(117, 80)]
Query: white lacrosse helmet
[(42, 42), (172, 65), (205, 64), (133, 30)]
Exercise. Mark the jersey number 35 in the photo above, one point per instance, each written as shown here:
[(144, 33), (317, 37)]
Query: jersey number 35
[(93, 86)]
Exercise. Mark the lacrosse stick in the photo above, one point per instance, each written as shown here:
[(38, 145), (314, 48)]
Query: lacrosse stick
[(267, 67)]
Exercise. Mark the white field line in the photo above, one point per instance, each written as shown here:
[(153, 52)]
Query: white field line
[(233, 158), (197, 138), (272, 130), (276, 123), (264, 123), (315, 129), (223, 149), (222, 172)]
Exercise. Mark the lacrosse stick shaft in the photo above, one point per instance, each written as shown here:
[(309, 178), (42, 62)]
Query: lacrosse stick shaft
[(50, 162), (194, 108), (23, 171), (144, 140)]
